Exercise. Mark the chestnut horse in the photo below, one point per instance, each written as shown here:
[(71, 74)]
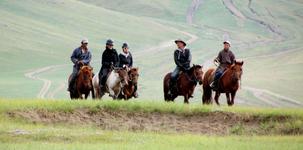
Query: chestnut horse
[(129, 89), (83, 83), (228, 84), (186, 83)]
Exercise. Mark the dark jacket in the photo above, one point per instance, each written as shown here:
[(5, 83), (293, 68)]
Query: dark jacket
[(128, 61), (226, 57), (182, 58), (77, 56), (110, 57)]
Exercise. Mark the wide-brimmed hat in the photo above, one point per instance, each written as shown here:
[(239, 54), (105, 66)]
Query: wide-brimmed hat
[(179, 40)]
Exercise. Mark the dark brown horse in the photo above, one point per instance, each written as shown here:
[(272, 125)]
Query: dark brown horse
[(228, 84), (186, 83), (83, 83), (129, 89)]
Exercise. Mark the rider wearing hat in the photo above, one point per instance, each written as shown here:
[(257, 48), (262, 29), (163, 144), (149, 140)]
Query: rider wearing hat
[(182, 57), (80, 56), (225, 58), (110, 59), (126, 60)]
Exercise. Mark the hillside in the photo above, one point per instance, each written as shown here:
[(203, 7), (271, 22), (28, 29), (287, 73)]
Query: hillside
[(38, 37)]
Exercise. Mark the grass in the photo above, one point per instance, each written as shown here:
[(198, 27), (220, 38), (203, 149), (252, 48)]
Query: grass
[(34, 38), (21, 134)]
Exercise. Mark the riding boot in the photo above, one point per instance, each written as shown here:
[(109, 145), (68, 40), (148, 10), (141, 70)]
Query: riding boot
[(214, 85), (172, 86), (71, 84)]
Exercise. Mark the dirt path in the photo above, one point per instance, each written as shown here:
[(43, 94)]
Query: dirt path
[(209, 123), (195, 4), (233, 10), (34, 75)]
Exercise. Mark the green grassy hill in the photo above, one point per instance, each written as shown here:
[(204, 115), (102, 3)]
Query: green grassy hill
[(39, 36)]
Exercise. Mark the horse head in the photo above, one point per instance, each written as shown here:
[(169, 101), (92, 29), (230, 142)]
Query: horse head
[(197, 72), (123, 76), (133, 75), (87, 72), (236, 69)]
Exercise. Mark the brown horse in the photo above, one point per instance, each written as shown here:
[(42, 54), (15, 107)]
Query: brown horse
[(228, 84), (83, 83), (129, 89), (186, 83)]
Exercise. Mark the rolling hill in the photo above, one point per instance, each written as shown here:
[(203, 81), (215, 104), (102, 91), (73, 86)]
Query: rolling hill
[(38, 37)]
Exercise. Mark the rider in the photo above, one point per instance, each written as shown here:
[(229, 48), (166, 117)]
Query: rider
[(225, 58), (80, 56), (126, 60), (110, 59), (182, 57)]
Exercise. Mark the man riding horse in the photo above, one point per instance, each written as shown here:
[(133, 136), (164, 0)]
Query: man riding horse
[(182, 57), (126, 61), (225, 58), (109, 60), (80, 56)]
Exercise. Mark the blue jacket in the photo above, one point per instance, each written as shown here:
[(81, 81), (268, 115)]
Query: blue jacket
[(77, 55)]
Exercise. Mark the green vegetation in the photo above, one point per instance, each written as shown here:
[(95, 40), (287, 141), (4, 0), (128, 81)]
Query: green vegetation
[(17, 133), (39, 34)]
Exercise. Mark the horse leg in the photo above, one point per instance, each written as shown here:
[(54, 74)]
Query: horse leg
[(228, 98), (233, 95), (93, 93), (186, 99), (217, 98)]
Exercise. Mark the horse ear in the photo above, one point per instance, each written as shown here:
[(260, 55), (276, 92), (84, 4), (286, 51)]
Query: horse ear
[(241, 63)]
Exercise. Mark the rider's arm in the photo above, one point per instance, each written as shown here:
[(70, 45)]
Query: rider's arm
[(73, 57), (176, 58), (88, 59), (218, 58), (232, 58), (104, 60), (117, 60), (131, 60)]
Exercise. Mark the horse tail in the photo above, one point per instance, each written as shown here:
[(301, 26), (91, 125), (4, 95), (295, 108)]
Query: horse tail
[(207, 94), (166, 86), (207, 91)]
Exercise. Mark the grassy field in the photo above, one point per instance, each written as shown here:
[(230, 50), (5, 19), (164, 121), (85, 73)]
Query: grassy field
[(20, 133), (40, 34)]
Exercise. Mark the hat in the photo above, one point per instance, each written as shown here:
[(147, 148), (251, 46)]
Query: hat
[(84, 40), (179, 40), (226, 42), (109, 42), (125, 45)]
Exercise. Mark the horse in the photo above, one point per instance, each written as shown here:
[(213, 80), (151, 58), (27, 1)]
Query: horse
[(228, 84), (116, 80), (83, 83), (128, 90), (186, 84)]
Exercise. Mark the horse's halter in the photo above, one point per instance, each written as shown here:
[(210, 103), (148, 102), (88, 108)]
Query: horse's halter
[(132, 76), (193, 77), (86, 76), (235, 77)]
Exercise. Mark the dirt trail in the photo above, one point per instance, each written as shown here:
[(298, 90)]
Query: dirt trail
[(210, 123), (46, 82), (233, 10), (195, 4)]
